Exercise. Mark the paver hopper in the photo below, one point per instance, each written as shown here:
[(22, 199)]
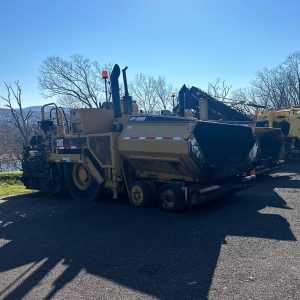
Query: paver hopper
[(270, 143), (171, 148)]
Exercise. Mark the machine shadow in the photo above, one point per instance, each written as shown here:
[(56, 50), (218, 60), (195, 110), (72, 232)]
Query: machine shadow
[(169, 256)]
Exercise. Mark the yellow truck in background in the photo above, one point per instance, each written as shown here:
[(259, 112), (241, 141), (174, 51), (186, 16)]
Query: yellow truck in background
[(288, 120)]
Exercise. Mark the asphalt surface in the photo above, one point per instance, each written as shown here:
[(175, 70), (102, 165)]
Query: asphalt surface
[(243, 247)]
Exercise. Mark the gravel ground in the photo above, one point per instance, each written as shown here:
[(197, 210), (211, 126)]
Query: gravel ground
[(243, 247)]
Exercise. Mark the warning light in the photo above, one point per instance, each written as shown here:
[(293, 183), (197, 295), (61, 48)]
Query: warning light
[(104, 74)]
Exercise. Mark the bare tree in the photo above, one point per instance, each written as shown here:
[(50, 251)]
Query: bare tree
[(163, 93), (143, 90), (244, 100), (219, 89), (20, 118), (151, 93), (76, 82), (292, 66), (269, 87), (279, 87)]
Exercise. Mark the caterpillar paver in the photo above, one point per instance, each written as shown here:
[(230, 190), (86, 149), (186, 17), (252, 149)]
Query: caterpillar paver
[(173, 160)]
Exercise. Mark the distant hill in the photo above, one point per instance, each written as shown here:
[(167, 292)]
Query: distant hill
[(5, 114), (33, 108)]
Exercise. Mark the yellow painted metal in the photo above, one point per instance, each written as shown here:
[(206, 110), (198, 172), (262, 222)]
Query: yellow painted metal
[(291, 116), (81, 176), (159, 150), (91, 120), (95, 173)]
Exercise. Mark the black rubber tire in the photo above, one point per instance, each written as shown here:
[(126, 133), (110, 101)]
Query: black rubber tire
[(91, 193), (171, 197), (58, 186), (141, 194)]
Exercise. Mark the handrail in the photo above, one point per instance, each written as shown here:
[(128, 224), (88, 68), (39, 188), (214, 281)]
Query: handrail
[(60, 116)]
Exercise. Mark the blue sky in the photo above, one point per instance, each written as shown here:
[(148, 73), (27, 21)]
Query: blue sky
[(189, 41)]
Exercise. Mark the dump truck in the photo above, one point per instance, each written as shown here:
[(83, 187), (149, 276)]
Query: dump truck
[(114, 151), (269, 139), (288, 120)]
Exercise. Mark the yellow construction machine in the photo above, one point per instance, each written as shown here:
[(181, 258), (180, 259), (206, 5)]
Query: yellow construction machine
[(288, 120), (116, 151)]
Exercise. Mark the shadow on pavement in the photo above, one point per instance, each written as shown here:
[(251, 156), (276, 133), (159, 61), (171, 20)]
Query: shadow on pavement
[(169, 256)]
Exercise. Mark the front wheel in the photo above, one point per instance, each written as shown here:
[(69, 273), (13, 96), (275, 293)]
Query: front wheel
[(80, 183), (141, 194)]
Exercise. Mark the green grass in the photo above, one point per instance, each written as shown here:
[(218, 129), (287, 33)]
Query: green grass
[(11, 184)]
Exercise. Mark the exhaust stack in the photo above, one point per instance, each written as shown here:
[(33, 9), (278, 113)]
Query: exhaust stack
[(114, 82), (127, 100)]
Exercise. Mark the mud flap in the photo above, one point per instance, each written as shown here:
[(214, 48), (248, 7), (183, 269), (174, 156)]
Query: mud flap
[(270, 142)]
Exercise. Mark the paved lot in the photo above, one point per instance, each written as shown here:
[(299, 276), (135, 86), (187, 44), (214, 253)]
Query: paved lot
[(244, 247)]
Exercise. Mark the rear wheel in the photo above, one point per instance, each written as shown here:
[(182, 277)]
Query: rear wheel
[(171, 198), (141, 194), (80, 183)]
